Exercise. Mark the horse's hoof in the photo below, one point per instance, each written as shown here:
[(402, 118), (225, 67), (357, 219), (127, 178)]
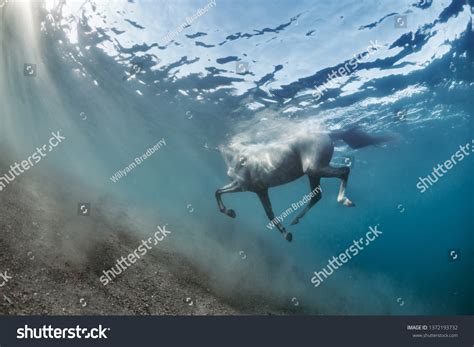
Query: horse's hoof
[(289, 237), (348, 203), (230, 213)]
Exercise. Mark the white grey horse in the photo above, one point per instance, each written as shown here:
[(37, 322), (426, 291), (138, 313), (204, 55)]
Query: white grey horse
[(259, 167)]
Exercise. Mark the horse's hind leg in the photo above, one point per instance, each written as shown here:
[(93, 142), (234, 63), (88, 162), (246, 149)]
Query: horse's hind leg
[(343, 174), (232, 187), (267, 205), (316, 195)]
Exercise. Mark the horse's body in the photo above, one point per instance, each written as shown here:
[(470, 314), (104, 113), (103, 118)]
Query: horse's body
[(259, 167)]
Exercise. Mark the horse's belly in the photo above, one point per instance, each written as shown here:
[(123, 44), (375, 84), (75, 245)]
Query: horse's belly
[(278, 181), (277, 174)]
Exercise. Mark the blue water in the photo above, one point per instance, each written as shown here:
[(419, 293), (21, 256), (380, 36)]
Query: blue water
[(107, 77)]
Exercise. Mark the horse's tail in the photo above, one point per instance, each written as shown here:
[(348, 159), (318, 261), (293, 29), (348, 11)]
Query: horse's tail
[(356, 138)]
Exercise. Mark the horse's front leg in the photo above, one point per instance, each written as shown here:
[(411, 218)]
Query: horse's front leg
[(232, 187), (267, 205)]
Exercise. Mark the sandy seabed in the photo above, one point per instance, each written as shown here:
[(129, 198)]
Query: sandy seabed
[(55, 270)]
